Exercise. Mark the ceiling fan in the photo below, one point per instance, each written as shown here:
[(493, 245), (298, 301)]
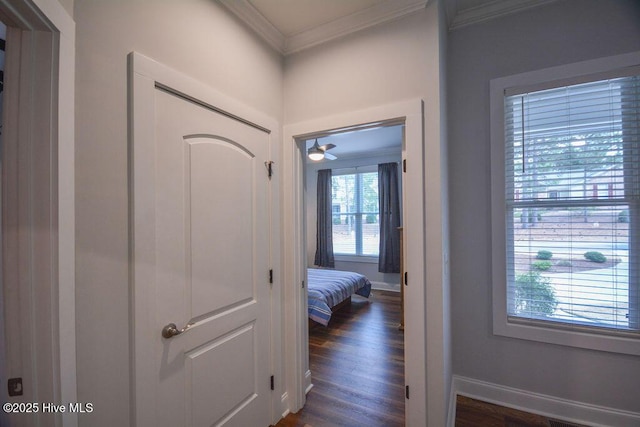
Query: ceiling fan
[(319, 152)]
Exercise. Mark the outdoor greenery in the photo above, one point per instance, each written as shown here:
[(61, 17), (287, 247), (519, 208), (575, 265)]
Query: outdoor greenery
[(544, 254), (354, 195), (541, 265), (595, 256), (371, 219), (559, 154), (563, 164), (354, 205), (623, 216), (343, 188), (534, 295)]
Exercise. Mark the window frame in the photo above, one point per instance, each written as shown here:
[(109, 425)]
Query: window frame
[(573, 335), (355, 257)]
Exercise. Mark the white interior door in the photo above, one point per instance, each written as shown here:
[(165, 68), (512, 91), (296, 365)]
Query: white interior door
[(201, 247)]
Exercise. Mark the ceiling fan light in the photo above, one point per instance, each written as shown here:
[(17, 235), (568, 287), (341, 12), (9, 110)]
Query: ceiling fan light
[(315, 156), (315, 153)]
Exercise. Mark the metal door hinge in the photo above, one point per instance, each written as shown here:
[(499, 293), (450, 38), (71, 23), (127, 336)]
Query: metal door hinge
[(405, 279), (404, 165), (273, 383), (269, 166), (271, 276), (406, 392)]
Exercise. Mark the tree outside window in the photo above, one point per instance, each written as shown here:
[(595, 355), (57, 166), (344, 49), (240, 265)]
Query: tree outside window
[(355, 204)]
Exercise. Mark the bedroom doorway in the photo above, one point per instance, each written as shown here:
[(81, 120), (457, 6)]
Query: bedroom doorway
[(356, 359), (418, 182)]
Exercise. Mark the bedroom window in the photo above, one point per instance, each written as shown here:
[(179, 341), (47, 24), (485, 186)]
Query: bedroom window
[(354, 199), (568, 216)]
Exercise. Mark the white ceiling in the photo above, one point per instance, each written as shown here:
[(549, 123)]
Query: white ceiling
[(290, 26), (374, 141)]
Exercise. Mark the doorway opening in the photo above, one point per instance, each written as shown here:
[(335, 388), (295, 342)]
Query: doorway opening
[(37, 228), (415, 187), (4, 418), (355, 360)]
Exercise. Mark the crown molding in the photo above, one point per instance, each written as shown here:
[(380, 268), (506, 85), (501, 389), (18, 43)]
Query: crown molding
[(375, 15), (487, 11), (244, 10), (340, 27)]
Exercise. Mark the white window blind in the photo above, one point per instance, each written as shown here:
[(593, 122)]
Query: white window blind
[(356, 225), (572, 182)]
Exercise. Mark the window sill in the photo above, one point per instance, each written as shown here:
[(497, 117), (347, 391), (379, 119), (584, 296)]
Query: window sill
[(365, 259), (569, 335)]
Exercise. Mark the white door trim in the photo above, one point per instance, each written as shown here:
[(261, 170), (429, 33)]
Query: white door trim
[(44, 124), (145, 74), (296, 334)]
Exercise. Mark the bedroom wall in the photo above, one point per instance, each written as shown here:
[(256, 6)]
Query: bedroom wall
[(197, 37), (560, 33), (385, 281)]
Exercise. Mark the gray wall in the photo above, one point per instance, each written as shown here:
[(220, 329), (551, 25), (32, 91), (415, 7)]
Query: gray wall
[(198, 38), (563, 32)]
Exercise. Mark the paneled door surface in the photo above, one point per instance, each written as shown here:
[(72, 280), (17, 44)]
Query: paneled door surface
[(201, 246)]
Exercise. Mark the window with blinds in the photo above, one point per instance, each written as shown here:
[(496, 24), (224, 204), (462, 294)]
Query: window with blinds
[(572, 204), (355, 205)]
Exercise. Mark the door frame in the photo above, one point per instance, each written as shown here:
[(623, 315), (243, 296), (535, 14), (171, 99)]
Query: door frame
[(145, 75), (38, 195), (415, 188)]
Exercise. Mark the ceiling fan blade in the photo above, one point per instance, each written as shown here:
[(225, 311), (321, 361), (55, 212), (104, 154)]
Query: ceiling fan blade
[(326, 147), (329, 156)]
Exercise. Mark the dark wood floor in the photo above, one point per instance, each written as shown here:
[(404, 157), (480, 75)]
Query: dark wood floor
[(357, 364), (358, 374), (474, 413)]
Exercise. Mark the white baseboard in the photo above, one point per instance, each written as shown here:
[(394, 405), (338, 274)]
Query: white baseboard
[(308, 385), (382, 286), (548, 406), (284, 414), (284, 404)]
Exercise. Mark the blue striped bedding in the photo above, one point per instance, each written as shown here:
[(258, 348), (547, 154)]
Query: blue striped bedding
[(328, 288)]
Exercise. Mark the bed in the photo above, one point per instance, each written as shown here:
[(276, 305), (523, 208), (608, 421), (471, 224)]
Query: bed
[(328, 288)]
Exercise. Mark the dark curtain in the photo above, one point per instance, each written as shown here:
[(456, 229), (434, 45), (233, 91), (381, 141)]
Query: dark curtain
[(324, 227), (389, 259)]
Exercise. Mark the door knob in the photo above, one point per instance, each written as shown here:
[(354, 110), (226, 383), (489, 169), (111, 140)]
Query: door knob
[(171, 330)]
